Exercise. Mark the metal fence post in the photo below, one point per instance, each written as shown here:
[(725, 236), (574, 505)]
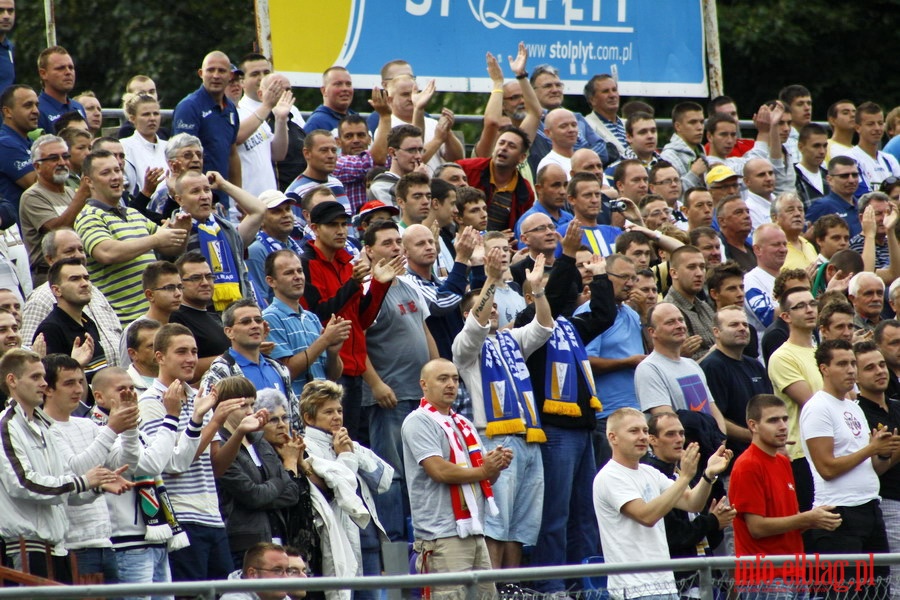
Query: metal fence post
[(706, 582)]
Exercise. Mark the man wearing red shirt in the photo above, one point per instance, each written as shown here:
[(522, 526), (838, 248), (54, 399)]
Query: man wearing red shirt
[(335, 287), (762, 491)]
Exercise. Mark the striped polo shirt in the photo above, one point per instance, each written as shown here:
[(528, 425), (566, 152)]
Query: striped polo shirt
[(119, 282)]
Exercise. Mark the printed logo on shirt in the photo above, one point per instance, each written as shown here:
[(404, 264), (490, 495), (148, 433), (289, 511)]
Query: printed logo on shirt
[(694, 393), (205, 114), (853, 423), (408, 307)]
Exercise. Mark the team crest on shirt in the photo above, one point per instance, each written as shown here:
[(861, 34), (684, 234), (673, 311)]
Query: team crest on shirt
[(853, 423)]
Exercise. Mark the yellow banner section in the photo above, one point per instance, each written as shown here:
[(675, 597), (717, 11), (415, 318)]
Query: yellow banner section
[(308, 35)]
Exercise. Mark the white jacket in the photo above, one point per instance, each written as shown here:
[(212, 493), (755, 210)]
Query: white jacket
[(34, 482)]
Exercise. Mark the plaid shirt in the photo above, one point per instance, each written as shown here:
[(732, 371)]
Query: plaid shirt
[(41, 302), (351, 171)]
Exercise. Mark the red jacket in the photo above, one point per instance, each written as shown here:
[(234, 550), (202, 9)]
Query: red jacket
[(331, 290), (501, 215)]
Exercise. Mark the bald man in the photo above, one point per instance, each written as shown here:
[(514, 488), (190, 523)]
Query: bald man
[(209, 115), (561, 127), (550, 188)]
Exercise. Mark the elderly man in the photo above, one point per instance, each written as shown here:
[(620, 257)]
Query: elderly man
[(733, 216), (790, 215), (866, 293), (878, 216), (48, 204)]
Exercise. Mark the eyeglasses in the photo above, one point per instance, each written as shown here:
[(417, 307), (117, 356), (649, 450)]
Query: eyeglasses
[(416, 150), (248, 320), (198, 278), (189, 154), (853, 175), (805, 305), (621, 276), (171, 288), (540, 228), (55, 158), (281, 571)]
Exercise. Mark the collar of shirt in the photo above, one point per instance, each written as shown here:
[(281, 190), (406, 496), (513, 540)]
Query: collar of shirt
[(242, 361), (120, 209), (280, 306), (510, 186)]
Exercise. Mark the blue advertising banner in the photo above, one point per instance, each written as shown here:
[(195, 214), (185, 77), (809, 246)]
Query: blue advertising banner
[(654, 47)]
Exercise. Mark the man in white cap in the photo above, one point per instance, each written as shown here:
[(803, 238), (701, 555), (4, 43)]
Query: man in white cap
[(274, 234)]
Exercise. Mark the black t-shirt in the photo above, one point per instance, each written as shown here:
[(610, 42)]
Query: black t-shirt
[(776, 334), (60, 331), (732, 384), (890, 479), (207, 329)]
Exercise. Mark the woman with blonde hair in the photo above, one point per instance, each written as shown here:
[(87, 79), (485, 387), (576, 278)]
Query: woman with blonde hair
[(145, 151), (352, 472)]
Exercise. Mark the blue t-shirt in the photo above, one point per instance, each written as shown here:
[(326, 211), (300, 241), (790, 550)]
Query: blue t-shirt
[(564, 217), (832, 204), (217, 126), (621, 340), (601, 239), (51, 109), (293, 333), (7, 64), (15, 163), (262, 375)]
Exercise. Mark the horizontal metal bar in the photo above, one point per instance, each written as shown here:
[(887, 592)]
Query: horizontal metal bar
[(414, 581)]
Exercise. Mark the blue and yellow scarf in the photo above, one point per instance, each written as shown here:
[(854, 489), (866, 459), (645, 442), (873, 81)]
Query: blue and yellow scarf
[(508, 396), (218, 252), (565, 350)]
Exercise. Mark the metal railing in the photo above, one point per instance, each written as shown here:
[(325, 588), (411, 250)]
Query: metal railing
[(707, 568)]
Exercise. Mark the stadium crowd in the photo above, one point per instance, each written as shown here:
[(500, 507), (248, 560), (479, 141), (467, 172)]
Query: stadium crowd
[(251, 345)]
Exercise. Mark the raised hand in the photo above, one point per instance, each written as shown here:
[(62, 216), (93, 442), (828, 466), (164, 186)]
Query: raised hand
[(518, 64), (596, 266), (689, 461), (119, 485), (421, 98), (380, 103), (360, 271), (494, 70), (204, 404), (254, 422), (152, 177), (535, 276), (465, 244), (39, 345), (174, 398), (718, 462), (493, 264), (341, 441), (282, 109), (572, 239)]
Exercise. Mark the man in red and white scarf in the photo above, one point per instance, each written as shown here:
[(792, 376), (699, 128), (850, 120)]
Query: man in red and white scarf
[(449, 481)]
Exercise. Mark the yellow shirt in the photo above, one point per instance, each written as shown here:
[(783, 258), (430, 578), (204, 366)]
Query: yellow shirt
[(787, 365), (509, 187), (800, 259)]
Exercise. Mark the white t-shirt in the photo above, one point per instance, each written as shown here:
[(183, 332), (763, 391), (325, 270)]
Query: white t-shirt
[(826, 416), (555, 158), (813, 178), (257, 172), (759, 302), (623, 538)]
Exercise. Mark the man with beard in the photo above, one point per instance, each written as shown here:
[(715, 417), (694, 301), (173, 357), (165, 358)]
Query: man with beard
[(48, 204)]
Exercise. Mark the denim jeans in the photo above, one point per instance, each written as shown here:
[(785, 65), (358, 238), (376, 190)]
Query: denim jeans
[(568, 527), (385, 441), (144, 565), (208, 556), (98, 560)]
